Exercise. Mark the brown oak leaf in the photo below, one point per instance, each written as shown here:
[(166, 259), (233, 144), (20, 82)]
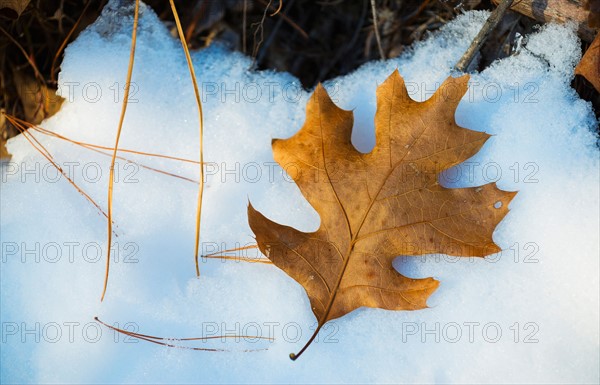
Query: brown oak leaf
[(377, 206), (589, 66)]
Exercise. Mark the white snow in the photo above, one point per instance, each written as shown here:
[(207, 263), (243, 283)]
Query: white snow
[(529, 314)]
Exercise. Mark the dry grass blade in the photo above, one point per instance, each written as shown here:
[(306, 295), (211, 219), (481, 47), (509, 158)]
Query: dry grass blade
[(290, 22), (104, 151), (249, 247), (90, 145), (46, 154), (221, 255), (200, 118), (114, 156), (159, 340), (240, 259)]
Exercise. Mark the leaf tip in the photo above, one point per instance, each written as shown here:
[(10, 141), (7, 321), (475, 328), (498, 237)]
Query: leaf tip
[(463, 78), (453, 89), (319, 89), (434, 284), (395, 76), (511, 195)]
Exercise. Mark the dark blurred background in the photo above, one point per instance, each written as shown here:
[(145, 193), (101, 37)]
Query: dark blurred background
[(313, 39)]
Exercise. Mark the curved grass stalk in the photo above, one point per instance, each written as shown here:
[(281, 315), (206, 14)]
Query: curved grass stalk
[(114, 155), (168, 343), (278, 8), (104, 151), (221, 255), (91, 145), (46, 154), (201, 120)]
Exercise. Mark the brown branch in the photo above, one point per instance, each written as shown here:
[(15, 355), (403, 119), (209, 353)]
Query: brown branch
[(483, 34), (376, 29), (558, 11)]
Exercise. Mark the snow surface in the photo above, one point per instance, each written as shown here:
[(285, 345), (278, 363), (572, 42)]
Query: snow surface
[(541, 294)]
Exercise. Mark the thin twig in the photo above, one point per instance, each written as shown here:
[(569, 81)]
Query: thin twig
[(278, 8), (200, 118), (273, 33), (487, 28), (116, 147), (90, 145), (376, 29), (260, 28), (288, 20), (244, 22)]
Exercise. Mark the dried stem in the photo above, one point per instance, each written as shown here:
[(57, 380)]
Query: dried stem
[(200, 118), (168, 341), (116, 147), (90, 145), (278, 8), (481, 37), (23, 129), (376, 29), (221, 255), (103, 150)]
